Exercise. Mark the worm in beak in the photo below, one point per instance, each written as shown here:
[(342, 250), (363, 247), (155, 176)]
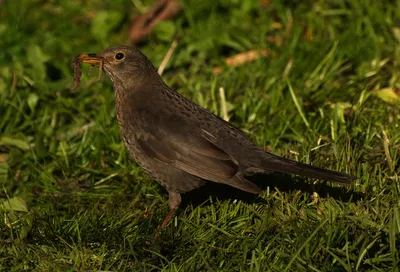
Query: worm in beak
[(91, 59)]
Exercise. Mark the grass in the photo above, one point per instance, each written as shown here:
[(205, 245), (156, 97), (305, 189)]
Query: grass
[(72, 200)]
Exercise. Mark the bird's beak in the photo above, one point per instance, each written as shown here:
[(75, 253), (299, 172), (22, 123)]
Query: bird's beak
[(92, 59)]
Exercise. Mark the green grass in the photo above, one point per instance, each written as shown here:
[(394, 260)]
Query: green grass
[(71, 199)]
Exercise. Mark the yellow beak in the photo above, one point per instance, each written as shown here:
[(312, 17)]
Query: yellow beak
[(92, 59)]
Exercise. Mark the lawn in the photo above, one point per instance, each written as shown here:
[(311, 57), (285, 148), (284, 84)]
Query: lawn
[(324, 91)]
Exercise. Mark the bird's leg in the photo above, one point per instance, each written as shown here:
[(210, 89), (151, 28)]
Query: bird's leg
[(174, 200)]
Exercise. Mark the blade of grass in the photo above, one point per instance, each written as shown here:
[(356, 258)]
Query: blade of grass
[(297, 104)]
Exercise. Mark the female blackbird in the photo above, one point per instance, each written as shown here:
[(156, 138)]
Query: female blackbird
[(179, 143)]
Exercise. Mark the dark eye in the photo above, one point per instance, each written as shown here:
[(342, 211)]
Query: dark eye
[(119, 56)]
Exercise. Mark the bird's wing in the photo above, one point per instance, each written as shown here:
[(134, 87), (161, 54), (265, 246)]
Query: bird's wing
[(183, 145)]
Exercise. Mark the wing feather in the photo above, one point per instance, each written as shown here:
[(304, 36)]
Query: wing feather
[(185, 146)]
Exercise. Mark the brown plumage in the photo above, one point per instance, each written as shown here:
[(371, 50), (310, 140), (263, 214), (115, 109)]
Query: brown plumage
[(179, 143)]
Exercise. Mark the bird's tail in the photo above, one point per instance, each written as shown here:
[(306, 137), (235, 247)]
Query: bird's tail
[(273, 163)]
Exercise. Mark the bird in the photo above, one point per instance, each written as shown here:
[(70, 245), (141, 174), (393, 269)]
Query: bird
[(177, 142)]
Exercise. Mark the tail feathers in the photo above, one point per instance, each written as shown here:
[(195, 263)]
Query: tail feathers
[(278, 164)]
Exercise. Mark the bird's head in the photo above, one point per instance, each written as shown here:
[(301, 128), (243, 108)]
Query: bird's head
[(126, 66)]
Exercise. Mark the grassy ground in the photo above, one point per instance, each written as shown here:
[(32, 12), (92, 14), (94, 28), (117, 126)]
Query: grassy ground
[(72, 200)]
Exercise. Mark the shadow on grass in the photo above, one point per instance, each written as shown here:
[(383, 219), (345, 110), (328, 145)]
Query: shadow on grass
[(283, 182)]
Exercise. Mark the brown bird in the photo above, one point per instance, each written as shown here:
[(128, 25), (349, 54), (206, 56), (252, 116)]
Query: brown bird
[(179, 143)]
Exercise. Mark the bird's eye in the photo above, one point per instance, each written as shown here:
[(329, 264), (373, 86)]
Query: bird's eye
[(119, 56)]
